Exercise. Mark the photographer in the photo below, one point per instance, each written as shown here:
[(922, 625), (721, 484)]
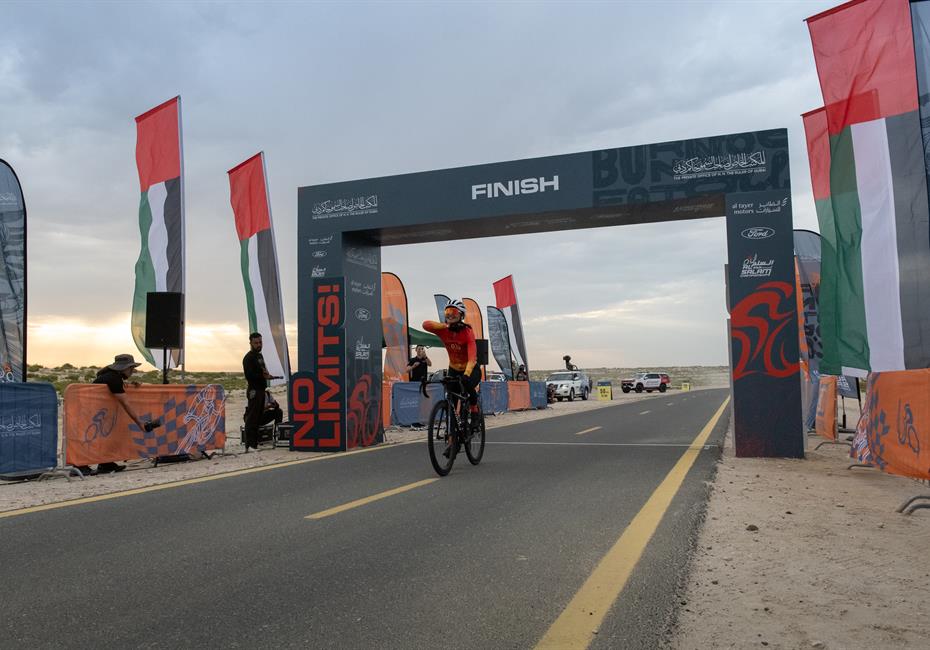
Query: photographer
[(115, 377), (417, 367)]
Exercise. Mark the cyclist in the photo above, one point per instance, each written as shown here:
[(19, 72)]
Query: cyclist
[(459, 339)]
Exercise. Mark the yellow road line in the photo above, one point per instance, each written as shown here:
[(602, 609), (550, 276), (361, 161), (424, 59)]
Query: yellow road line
[(581, 433), (576, 625), (366, 500), (192, 481)]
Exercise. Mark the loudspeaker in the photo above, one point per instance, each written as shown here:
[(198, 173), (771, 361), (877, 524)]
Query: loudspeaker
[(164, 322), (482, 345)]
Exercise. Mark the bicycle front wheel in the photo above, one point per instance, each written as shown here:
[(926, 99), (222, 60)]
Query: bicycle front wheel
[(474, 448), (440, 440)]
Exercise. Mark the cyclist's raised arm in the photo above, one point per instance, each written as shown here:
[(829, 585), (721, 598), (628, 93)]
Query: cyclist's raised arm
[(434, 326)]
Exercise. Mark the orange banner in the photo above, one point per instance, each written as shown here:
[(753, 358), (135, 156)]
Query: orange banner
[(518, 396), (387, 389), (97, 429), (473, 317), (825, 423), (897, 423), (394, 327)]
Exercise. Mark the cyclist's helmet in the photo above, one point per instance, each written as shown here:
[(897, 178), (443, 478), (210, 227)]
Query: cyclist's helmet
[(456, 304)]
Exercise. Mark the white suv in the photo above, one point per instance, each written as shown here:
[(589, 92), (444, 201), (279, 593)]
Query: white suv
[(569, 384), (648, 381)]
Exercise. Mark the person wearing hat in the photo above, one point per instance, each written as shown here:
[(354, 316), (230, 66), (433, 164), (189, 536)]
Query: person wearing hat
[(115, 376)]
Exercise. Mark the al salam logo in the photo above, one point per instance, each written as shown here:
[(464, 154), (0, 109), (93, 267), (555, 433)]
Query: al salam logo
[(753, 267), (758, 232), (759, 325)]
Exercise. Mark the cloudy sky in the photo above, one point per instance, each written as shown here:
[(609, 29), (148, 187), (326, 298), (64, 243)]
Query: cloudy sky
[(339, 91)]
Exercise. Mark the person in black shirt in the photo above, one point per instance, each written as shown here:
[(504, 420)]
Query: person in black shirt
[(418, 365), (115, 376), (521, 373), (257, 376), (273, 412)]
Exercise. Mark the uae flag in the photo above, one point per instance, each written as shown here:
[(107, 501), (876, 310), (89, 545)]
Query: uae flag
[(505, 295), (161, 216), (871, 190), (248, 192)]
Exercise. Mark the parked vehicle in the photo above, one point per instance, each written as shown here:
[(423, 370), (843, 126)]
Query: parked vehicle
[(495, 376), (569, 385), (648, 381), (550, 393)]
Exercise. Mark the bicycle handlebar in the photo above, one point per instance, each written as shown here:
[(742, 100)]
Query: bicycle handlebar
[(444, 381)]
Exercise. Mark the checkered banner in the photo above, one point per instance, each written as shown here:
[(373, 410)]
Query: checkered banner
[(97, 429)]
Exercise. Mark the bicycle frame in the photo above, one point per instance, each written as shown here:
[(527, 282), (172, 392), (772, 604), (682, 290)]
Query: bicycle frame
[(455, 400)]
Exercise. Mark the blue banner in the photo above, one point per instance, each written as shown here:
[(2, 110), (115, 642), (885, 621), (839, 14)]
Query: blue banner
[(493, 397), (499, 338), (28, 428), (409, 407), (538, 398), (441, 301), (12, 277)]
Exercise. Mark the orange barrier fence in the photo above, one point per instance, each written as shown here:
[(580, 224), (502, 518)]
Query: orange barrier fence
[(518, 396), (825, 424), (97, 429), (896, 423), (387, 395)]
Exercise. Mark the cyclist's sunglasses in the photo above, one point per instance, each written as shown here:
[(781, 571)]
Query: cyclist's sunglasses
[(452, 311)]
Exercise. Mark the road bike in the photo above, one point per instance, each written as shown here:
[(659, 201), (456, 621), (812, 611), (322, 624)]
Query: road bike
[(452, 426)]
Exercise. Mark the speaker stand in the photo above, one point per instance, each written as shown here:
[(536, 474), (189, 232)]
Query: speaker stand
[(174, 458), (164, 365)]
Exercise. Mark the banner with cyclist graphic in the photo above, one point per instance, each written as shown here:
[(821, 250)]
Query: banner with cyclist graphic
[(28, 428), (97, 429), (12, 277), (896, 419)]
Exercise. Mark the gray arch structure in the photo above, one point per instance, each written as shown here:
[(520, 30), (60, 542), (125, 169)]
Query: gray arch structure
[(336, 393)]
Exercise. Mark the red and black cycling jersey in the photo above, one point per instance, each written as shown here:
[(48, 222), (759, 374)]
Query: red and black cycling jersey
[(460, 344)]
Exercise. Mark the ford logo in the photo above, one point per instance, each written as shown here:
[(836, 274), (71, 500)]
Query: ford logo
[(759, 232), (362, 314)]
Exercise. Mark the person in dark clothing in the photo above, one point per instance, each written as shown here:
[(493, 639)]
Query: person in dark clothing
[(272, 412), (417, 366), (257, 376), (521, 373), (115, 376)]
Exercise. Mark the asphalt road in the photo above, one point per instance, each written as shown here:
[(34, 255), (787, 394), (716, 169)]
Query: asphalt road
[(487, 557)]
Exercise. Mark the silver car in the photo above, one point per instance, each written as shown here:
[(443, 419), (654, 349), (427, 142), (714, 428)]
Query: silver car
[(570, 384)]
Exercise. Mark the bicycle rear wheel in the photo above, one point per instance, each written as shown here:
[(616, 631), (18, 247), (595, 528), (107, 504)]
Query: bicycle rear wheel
[(442, 449), (474, 448)]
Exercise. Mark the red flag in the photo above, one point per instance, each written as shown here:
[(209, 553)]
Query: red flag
[(249, 196), (504, 293), (864, 52), (818, 151), (158, 144)]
